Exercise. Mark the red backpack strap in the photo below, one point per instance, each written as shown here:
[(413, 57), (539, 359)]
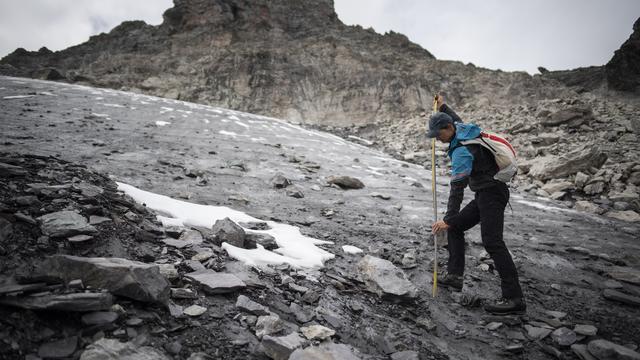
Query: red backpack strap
[(498, 139)]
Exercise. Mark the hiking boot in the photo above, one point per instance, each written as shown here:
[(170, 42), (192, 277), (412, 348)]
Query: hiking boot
[(451, 281), (507, 307)]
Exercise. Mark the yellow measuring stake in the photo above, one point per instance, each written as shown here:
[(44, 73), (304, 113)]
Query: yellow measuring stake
[(435, 205)]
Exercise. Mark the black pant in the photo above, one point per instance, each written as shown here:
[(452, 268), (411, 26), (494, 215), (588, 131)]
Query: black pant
[(488, 209)]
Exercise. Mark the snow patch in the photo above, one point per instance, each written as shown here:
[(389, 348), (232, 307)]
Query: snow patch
[(350, 249), (17, 97), (162, 123), (228, 133), (542, 206), (242, 124), (298, 250), (364, 141)]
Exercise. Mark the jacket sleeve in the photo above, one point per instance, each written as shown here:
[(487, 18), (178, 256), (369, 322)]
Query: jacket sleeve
[(456, 194), (447, 110), (461, 167)]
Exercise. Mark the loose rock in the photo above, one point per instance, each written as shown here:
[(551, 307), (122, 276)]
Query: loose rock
[(65, 224), (606, 350), (132, 279), (384, 278), (280, 348), (317, 332), (110, 349), (216, 283)]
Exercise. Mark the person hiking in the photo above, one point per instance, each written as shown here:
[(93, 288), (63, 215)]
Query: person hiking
[(474, 165)]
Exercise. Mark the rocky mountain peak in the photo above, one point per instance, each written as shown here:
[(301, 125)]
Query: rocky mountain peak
[(623, 70), (290, 16)]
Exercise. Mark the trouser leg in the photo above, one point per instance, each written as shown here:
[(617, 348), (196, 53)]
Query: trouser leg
[(491, 205), (467, 218)]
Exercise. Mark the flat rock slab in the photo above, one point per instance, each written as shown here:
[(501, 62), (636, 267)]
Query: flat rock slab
[(621, 297), (58, 349), (64, 224), (216, 283), (605, 350), (586, 330), (132, 279), (8, 170), (80, 302), (99, 318), (626, 274), (384, 278), (537, 333), (581, 352), (195, 310), (326, 350), (80, 239), (564, 336), (17, 288), (109, 349), (247, 305)]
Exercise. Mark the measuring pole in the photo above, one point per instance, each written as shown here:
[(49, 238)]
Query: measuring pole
[(435, 205)]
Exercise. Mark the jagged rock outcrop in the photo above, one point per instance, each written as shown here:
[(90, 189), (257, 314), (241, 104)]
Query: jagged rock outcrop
[(623, 70)]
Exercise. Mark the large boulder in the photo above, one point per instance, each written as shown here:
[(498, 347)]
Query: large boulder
[(605, 350), (226, 230), (216, 283), (65, 223), (384, 278), (131, 279), (553, 167), (624, 215), (574, 116)]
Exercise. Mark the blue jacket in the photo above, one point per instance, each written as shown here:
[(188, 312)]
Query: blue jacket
[(470, 164), (461, 157)]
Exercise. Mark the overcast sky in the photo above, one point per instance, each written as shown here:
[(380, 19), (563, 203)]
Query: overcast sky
[(497, 34)]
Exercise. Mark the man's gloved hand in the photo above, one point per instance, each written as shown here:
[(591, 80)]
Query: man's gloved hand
[(439, 226)]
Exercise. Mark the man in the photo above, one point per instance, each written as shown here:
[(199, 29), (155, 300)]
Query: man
[(475, 166)]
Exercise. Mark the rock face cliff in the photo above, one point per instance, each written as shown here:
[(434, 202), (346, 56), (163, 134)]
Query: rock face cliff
[(285, 58), (623, 71)]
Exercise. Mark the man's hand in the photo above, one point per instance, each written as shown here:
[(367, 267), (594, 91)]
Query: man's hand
[(439, 226), (439, 101)]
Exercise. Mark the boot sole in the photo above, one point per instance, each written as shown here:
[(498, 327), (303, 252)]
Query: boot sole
[(513, 312)]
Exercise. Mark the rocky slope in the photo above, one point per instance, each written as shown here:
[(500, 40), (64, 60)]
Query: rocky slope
[(296, 60), (68, 232)]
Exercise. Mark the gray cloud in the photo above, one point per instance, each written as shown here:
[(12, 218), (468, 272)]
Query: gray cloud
[(58, 24), (498, 34)]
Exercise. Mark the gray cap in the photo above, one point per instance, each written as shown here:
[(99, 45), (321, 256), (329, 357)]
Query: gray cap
[(438, 121)]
